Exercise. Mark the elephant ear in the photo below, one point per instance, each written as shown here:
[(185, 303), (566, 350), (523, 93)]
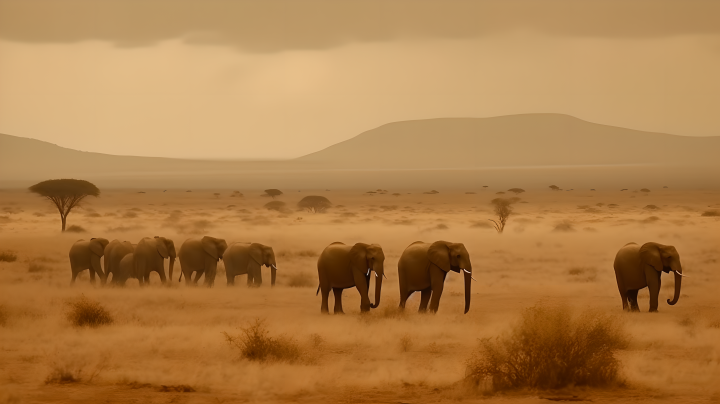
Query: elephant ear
[(439, 254), (161, 247), (97, 246), (650, 255), (256, 253), (210, 247), (358, 258)]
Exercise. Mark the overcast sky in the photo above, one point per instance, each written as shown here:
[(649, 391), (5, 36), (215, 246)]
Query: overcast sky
[(279, 79)]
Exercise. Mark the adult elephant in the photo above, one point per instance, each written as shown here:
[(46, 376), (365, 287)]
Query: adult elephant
[(248, 258), (423, 268), (201, 256), (150, 255), (126, 270), (638, 267), (114, 253), (342, 266), (86, 255)]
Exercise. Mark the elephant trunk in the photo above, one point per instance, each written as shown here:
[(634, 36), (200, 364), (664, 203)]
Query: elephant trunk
[(678, 284), (468, 277), (172, 264), (273, 275), (378, 289)]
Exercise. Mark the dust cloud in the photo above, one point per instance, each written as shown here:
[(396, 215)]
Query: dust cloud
[(169, 340)]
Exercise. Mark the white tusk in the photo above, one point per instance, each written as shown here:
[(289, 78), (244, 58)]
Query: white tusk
[(468, 272), (273, 267), (368, 273), (376, 275), (679, 273)]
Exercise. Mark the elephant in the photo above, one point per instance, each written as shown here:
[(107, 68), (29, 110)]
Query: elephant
[(86, 255), (114, 253), (342, 266), (126, 269), (424, 266), (201, 256), (150, 255), (637, 267), (248, 258)]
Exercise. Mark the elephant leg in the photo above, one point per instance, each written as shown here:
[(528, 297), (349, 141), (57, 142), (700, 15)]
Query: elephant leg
[(654, 289), (92, 275), (146, 278), (325, 294), (424, 299), (338, 301), (404, 296), (258, 277), (437, 282), (250, 281), (623, 297), (74, 275), (198, 274), (632, 299), (230, 279), (162, 276)]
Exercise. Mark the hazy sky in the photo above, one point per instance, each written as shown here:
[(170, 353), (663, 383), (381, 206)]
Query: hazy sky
[(279, 79)]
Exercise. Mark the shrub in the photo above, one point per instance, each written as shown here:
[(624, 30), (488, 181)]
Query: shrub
[(256, 344), (8, 256), (709, 213), (583, 274), (516, 190), (651, 207), (272, 193), (38, 267), (63, 374), (554, 187), (644, 190), (86, 312), (564, 226), (550, 348), (314, 203), (75, 229), (277, 206), (503, 209), (406, 343)]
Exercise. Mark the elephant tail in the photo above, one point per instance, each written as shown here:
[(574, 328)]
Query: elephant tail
[(180, 278), (318, 290)]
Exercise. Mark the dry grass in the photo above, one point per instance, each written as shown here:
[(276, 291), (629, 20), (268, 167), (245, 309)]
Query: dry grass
[(62, 373), (256, 344), (583, 274), (711, 213), (406, 343), (38, 267), (8, 256), (301, 280), (549, 349), (83, 311)]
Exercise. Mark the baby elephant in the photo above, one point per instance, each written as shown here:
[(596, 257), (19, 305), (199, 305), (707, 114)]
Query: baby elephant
[(423, 268), (342, 266), (248, 258), (637, 267)]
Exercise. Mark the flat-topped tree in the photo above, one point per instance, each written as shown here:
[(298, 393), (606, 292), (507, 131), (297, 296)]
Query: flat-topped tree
[(66, 194), (273, 192), (314, 203)]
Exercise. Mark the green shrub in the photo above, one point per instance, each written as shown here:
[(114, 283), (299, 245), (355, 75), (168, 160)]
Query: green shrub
[(549, 349), (86, 312)]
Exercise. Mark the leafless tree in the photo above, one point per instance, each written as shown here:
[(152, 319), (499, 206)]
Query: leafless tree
[(66, 194)]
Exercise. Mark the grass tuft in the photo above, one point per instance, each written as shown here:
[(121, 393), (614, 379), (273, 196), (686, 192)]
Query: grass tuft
[(711, 213), (75, 229), (86, 312), (256, 344), (301, 280), (549, 349), (406, 343), (8, 256)]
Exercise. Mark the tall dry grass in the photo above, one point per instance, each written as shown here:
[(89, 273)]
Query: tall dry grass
[(83, 311), (551, 348), (256, 344)]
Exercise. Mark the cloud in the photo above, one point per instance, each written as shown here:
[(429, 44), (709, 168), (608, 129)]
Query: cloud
[(273, 26)]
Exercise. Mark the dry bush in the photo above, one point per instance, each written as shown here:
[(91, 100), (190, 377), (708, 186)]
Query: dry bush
[(650, 219), (550, 348), (317, 341), (63, 373), (8, 256), (583, 274), (300, 280), (256, 344), (516, 190), (38, 267), (278, 206), (75, 229), (708, 213), (651, 207), (555, 188), (83, 311), (406, 343), (503, 209), (564, 226)]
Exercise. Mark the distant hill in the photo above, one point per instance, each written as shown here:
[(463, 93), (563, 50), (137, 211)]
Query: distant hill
[(513, 141), (517, 150)]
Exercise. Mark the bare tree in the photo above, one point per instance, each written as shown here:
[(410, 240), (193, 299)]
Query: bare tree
[(66, 194), (273, 192), (503, 210), (314, 203)]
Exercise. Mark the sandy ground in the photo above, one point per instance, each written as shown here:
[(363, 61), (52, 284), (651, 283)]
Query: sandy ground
[(174, 335)]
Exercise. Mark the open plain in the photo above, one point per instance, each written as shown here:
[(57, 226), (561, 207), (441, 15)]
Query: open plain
[(167, 342)]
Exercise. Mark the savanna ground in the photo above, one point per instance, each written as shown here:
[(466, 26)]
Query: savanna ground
[(167, 344)]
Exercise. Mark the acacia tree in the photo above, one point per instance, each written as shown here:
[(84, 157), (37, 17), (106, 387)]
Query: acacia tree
[(66, 194), (273, 192), (503, 209), (314, 203)]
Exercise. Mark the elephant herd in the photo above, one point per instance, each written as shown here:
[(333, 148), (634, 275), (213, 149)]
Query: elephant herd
[(422, 267)]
